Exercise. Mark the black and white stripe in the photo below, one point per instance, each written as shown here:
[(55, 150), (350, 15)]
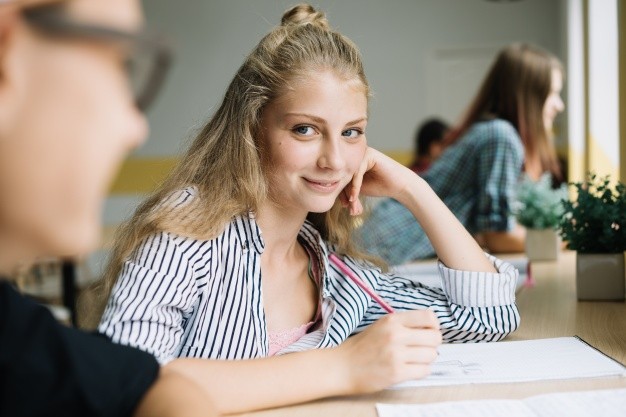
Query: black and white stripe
[(180, 297)]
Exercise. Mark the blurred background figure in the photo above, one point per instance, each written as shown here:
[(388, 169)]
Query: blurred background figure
[(506, 131), (428, 144)]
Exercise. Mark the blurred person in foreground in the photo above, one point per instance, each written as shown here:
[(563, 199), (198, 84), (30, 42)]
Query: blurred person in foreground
[(67, 117), (506, 132)]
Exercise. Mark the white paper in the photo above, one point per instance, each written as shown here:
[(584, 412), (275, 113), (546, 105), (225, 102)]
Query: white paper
[(601, 403), (605, 403), (427, 273), (517, 361)]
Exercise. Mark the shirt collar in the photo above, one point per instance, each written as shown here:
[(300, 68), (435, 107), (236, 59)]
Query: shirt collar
[(250, 233), (252, 238), (312, 238)]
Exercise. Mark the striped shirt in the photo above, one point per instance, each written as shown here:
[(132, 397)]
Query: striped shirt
[(181, 297), (476, 178)]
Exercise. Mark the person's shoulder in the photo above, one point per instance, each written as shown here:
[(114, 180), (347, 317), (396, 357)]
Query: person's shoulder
[(497, 133), (14, 307), (496, 129), (178, 198), (115, 376), (504, 128), (65, 364)]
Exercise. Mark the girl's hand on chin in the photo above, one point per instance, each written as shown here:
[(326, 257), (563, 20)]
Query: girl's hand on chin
[(377, 176)]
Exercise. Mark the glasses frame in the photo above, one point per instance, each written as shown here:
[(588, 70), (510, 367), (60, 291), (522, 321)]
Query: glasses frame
[(52, 20)]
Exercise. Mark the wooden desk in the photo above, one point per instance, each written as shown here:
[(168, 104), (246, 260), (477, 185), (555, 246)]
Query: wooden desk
[(549, 309)]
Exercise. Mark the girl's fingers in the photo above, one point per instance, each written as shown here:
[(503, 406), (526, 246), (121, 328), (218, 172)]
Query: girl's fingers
[(419, 319), (356, 208), (421, 355), (421, 338), (357, 179), (413, 371), (349, 197)]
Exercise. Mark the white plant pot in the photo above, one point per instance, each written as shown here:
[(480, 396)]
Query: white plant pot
[(600, 277), (542, 244)]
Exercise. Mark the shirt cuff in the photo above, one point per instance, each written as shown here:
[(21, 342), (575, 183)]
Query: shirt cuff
[(480, 289)]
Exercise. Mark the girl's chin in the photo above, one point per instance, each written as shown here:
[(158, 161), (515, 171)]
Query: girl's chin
[(321, 208)]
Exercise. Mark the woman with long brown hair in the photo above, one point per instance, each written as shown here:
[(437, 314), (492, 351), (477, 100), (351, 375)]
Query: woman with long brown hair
[(505, 132), (229, 259)]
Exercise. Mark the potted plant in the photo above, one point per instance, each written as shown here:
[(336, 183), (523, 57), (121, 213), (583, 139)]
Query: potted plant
[(594, 225), (539, 209)]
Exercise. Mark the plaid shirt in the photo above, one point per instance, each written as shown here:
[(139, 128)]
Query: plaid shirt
[(475, 178)]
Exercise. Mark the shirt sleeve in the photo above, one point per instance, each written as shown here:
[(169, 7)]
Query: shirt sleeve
[(500, 160), (470, 306), (154, 294), (50, 369)]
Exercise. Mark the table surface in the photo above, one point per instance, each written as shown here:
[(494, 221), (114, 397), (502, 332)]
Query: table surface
[(547, 309)]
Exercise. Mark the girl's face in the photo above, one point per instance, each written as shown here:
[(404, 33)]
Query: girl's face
[(554, 104), (314, 138)]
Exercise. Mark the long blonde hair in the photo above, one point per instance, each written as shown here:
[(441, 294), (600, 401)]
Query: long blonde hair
[(224, 163), (516, 89)]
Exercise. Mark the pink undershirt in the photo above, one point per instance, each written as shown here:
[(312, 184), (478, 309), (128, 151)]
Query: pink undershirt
[(283, 338)]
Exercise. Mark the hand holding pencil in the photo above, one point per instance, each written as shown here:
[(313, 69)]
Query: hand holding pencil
[(397, 348)]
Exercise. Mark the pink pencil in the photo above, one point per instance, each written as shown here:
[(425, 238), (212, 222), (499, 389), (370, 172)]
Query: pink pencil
[(344, 268)]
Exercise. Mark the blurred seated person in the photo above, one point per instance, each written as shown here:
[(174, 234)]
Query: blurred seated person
[(428, 144), (506, 131)]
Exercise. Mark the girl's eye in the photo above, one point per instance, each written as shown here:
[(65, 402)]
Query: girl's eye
[(352, 133), (304, 130)]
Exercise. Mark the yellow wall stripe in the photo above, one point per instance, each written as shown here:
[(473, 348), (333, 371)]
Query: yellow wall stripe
[(142, 175)]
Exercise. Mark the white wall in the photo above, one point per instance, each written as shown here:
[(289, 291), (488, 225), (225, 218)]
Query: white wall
[(398, 39), (575, 89), (603, 88)]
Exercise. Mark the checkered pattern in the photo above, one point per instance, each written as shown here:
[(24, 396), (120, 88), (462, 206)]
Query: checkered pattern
[(476, 178)]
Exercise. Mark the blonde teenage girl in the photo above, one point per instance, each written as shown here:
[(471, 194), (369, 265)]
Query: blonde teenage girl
[(229, 259)]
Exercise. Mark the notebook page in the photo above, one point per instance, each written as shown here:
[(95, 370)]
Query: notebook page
[(518, 361), (601, 403)]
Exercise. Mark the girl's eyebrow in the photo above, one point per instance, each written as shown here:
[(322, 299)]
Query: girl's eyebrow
[(357, 121), (322, 121)]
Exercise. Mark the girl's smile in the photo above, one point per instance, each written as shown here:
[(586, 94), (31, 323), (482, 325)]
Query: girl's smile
[(322, 185)]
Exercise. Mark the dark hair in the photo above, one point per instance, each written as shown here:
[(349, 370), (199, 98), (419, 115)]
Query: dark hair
[(429, 132)]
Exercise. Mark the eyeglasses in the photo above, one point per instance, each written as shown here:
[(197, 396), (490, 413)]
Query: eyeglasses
[(147, 63)]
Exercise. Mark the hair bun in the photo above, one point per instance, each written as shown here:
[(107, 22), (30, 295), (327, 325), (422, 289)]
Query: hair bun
[(304, 14)]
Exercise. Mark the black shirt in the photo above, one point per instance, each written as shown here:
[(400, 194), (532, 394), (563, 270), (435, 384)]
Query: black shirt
[(47, 369)]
